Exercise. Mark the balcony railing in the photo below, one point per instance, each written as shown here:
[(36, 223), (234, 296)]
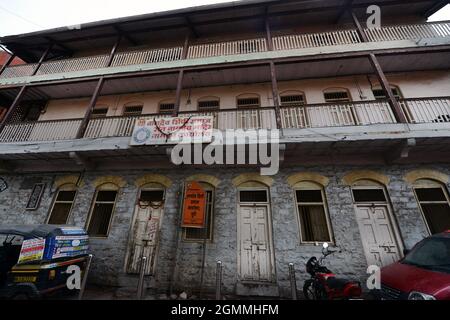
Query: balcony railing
[(425, 110), (337, 115), (280, 42), (40, 131)]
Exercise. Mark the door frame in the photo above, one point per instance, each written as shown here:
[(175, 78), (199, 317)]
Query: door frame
[(133, 220), (267, 205), (391, 218)]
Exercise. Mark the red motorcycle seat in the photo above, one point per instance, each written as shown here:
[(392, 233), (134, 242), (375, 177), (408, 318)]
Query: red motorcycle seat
[(338, 284)]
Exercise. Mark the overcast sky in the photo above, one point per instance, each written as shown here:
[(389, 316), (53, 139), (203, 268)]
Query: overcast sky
[(20, 16)]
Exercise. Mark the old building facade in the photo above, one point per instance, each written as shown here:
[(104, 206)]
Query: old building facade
[(364, 116)]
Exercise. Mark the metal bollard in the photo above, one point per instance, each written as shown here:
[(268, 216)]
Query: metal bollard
[(219, 280), (293, 281), (85, 277), (140, 289)]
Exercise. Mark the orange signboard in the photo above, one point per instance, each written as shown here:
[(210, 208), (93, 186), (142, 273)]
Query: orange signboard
[(194, 206)]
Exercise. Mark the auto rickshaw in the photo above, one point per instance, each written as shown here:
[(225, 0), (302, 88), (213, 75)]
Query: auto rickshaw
[(34, 259)]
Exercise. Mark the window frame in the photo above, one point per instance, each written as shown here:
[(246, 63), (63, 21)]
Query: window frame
[(336, 90), (103, 187), (292, 93), (70, 187), (393, 87), (310, 185), (248, 96), (211, 221), (167, 101), (132, 105), (208, 99), (430, 184)]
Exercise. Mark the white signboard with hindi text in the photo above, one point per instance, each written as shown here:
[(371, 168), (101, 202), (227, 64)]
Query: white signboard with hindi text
[(172, 130)]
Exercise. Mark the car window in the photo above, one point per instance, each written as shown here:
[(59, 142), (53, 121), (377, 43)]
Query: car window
[(432, 253)]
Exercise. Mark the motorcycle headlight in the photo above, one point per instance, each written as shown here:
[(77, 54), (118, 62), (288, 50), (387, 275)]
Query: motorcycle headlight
[(420, 296)]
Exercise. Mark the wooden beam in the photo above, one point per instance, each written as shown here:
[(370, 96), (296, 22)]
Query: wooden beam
[(13, 107), (186, 46), (178, 93), (268, 32), (346, 8), (395, 105), (275, 94), (42, 59), (113, 51), (191, 27), (359, 28), (125, 35), (7, 63), (92, 103)]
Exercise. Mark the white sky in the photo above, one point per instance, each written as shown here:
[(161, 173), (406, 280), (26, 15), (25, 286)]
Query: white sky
[(21, 16)]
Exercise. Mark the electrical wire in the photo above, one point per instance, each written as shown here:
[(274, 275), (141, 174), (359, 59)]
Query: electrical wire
[(20, 17)]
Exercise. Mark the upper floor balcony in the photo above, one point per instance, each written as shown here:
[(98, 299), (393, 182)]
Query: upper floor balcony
[(345, 39), (294, 115)]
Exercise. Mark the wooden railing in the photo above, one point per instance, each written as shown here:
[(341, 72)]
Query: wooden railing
[(262, 118), (311, 40), (424, 110), (427, 110), (409, 32), (147, 56), (227, 48), (40, 131), (75, 64), (283, 42), (336, 115)]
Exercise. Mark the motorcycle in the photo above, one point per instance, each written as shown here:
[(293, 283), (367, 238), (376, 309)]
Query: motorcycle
[(324, 285)]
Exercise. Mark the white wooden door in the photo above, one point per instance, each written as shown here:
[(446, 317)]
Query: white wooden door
[(145, 238), (255, 249), (379, 241)]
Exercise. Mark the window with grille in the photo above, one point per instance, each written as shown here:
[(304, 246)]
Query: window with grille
[(99, 113), (130, 111), (336, 96), (249, 102), (62, 206), (212, 104), (102, 213), (313, 214), (166, 108), (380, 95), (292, 100), (434, 203)]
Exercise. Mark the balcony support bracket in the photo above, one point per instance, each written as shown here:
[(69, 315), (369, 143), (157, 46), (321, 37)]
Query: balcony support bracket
[(400, 151)]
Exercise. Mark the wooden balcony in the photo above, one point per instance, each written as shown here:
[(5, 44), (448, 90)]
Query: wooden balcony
[(238, 47), (424, 110)]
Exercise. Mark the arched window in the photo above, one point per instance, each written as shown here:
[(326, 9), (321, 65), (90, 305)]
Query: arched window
[(433, 199), (313, 219), (208, 104), (292, 99), (133, 109), (100, 111), (62, 204), (379, 93), (337, 95), (207, 233), (102, 210), (248, 100), (368, 191), (167, 106)]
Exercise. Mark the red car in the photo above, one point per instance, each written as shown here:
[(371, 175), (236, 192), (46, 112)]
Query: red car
[(424, 273)]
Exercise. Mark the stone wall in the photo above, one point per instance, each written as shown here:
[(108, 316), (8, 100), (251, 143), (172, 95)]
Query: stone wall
[(109, 263)]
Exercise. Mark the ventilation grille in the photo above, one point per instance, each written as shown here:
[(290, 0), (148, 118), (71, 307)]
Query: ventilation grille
[(337, 96), (292, 100), (166, 107), (248, 103), (133, 110), (209, 105)]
